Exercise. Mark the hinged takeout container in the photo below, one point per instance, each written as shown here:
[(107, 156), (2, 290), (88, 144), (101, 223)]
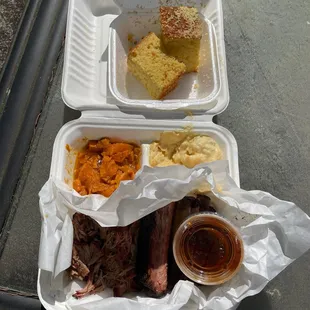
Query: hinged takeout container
[(278, 228), (85, 88), (92, 25), (87, 66)]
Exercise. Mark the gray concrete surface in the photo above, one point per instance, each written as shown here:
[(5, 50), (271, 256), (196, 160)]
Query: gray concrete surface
[(18, 263), (268, 55), (11, 12)]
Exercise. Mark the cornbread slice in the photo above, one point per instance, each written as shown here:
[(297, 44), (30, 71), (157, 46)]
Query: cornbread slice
[(158, 72), (181, 30)]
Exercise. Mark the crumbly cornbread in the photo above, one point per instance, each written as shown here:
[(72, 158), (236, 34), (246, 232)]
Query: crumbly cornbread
[(158, 72), (181, 30)]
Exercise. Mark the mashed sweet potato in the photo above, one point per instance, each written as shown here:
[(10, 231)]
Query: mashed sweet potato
[(103, 164)]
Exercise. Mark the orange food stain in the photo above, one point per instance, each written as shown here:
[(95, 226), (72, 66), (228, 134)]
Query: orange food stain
[(68, 148), (103, 164)]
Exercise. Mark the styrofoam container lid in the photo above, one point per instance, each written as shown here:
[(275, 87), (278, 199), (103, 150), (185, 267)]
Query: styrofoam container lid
[(85, 84)]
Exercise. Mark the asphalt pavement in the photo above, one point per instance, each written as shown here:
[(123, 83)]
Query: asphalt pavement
[(11, 13)]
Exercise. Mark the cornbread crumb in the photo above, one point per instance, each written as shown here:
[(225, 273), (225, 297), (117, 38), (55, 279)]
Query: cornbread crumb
[(158, 72), (181, 30), (130, 37)]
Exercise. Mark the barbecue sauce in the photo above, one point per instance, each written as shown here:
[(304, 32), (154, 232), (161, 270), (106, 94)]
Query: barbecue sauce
[(208, 249)]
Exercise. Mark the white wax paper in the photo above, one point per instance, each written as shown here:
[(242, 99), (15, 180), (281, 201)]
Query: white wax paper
[(274, 232)]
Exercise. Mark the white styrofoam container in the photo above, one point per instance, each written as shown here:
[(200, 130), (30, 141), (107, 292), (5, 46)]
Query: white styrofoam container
[(85, 76), (76, 134), (85, 88), (194, 89), (91, 126)]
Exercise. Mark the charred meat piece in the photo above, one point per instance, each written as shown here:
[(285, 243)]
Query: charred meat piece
[(103, 257), (156, 276), (190, 205), (184, 208), (205, 204), (195, 205), (147, 225)]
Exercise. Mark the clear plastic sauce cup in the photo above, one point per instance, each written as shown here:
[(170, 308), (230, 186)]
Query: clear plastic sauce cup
[(208, 249)]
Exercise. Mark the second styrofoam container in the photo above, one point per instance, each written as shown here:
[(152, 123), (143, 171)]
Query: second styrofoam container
[(194, 89), (89, 127), (78, 132)]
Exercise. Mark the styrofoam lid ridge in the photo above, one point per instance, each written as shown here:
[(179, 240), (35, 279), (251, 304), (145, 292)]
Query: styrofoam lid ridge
[(137, 5)]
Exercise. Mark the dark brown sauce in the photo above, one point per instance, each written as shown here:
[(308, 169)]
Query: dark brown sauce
[(210, 248)]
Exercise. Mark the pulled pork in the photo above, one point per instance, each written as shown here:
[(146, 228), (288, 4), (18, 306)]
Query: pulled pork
[(103, 256)]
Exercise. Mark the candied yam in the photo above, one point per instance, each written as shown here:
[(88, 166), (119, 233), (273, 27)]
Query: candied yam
[(137, 151), (127, 174), (94, 161), (122, 156), (109, 191), (118, 147), (79, 187), (88, 176), (88, 157), (108, 168), (103, 189), (98, 146), (95, 146), (121, 177), (103, 165), (105, 142)]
